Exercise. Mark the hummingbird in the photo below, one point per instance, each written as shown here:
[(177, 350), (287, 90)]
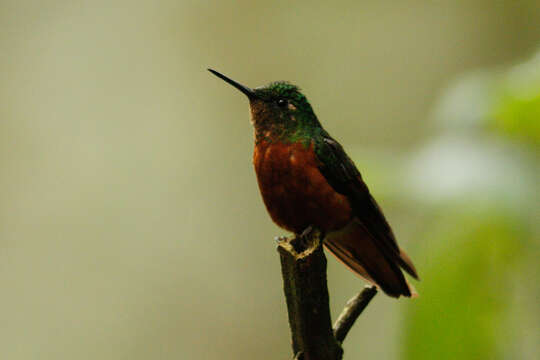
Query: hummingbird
[(308, 181)]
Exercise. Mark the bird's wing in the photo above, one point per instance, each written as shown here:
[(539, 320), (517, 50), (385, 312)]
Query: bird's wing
[(344, 177)]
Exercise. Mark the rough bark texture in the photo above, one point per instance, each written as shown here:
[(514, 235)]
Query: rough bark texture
[(304, 274), (303, 266)]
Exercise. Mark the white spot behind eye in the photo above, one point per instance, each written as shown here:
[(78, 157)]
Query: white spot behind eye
[(291, 107)]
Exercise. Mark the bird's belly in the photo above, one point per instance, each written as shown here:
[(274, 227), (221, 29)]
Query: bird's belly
[(294, 191)]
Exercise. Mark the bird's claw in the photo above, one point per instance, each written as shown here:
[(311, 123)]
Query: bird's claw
[(307, 232)]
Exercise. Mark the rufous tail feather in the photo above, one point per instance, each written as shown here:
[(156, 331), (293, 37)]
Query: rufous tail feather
[(356, 248)]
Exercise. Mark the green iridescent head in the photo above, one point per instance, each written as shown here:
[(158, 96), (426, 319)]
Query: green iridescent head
[(278, 107), (281, 102), (282, 93)]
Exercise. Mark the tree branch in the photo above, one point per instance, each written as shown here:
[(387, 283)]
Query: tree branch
[(303, 267), (352, 311)]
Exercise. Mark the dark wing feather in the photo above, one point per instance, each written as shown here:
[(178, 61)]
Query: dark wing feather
[(344, 177)]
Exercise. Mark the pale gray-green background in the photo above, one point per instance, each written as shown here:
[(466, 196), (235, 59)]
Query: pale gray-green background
[(131, 226)]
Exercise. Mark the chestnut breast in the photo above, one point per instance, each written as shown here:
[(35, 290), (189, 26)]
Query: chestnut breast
[(294, 191)]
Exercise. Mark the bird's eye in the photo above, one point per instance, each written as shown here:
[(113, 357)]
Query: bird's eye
[(282, 102)]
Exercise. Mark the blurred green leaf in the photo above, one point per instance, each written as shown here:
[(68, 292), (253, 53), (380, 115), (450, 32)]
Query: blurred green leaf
[(516, 112), (519, 116), (461, 312)]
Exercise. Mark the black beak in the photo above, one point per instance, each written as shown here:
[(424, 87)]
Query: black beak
[(247, 91)]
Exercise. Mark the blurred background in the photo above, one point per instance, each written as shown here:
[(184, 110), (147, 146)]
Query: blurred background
[(131, 225)]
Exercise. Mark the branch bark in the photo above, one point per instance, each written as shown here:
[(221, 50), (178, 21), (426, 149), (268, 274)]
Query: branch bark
[(303, 267), (352, 311)]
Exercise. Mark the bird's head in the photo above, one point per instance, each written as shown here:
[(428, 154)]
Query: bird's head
[(278, 107)]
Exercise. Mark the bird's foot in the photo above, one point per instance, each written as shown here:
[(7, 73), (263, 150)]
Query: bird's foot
[(307, 232), (279, 239), (301, 241)]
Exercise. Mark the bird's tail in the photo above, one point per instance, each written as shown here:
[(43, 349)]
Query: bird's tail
[(360, 252)]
